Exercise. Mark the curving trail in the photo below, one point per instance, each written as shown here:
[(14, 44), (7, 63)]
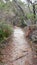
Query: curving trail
[(19, 51)]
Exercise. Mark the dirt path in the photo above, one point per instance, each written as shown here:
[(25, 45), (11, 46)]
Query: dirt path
[(18, 52)]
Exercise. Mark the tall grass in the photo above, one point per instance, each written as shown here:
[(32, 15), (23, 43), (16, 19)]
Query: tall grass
[(5, 31)]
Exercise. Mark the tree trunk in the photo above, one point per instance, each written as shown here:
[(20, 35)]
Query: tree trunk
[(34, 13)]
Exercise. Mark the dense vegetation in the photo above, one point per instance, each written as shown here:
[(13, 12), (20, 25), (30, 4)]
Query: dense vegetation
[(5, 31), (17, 13), (11, 12)]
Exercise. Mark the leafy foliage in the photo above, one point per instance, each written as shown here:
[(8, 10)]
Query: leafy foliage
[(5, 31)]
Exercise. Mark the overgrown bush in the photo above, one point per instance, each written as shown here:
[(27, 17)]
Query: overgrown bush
[(5, 31), (31, 17)]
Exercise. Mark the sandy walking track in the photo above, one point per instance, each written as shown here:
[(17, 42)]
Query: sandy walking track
[(18, 52)]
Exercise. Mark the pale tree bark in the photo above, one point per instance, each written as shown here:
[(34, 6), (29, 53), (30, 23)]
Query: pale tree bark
[(20, 9), (34, 13)]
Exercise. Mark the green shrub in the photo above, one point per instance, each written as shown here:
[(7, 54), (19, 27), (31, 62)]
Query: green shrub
[(5, 31)]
